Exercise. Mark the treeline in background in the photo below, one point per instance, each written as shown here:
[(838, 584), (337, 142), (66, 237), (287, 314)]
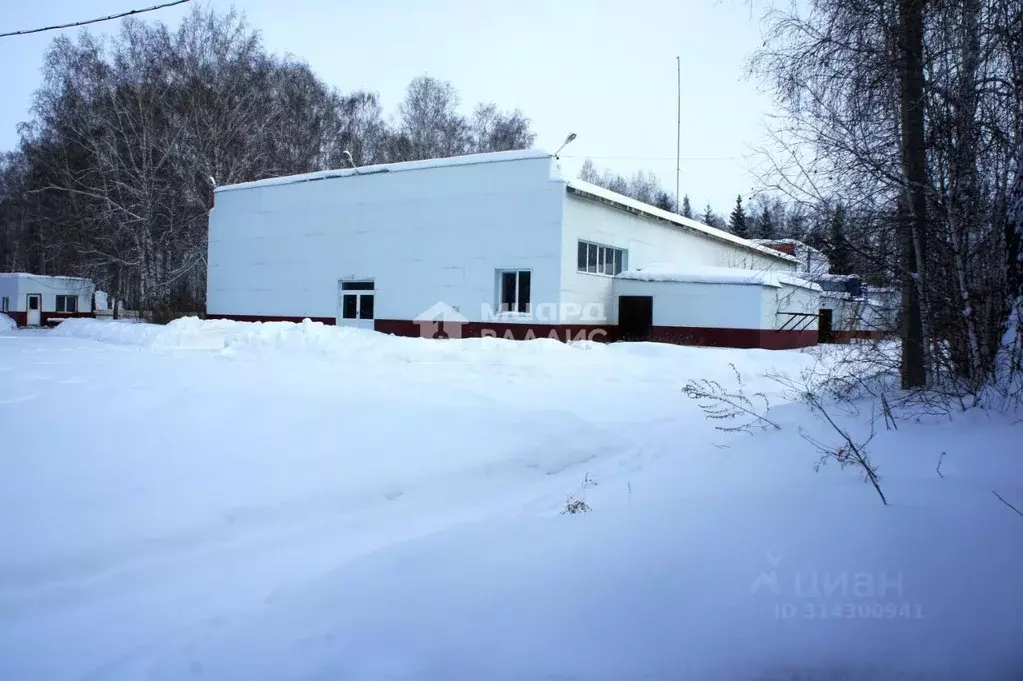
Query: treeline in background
[(114, 174), (896, 148)]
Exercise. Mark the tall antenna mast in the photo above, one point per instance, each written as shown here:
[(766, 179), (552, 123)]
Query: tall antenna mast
[(678, 135)]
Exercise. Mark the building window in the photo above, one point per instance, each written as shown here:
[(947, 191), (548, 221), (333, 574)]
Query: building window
[(514, 290), (5, 304), (67, 304), (599, 259), (357, 299), (366, 306)]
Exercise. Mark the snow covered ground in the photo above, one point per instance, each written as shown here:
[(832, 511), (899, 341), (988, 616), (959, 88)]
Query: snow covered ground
[(214, 500)]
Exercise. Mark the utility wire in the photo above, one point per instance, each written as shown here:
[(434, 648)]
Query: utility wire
[(94, 21), (657, 158)]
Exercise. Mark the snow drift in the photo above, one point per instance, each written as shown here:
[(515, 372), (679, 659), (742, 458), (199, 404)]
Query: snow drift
[(294, 502), (316, 338)]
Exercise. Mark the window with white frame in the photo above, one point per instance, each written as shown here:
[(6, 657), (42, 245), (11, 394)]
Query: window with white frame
[(513, 290), (67, 304), (357, 299), (601, 259)]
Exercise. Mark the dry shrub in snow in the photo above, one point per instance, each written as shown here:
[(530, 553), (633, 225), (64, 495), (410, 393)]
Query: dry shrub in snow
[(810, 389), (573, 506), (747, 413), (743, 413)]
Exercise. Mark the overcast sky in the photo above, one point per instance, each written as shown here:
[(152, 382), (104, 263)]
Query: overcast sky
[(604, 69)]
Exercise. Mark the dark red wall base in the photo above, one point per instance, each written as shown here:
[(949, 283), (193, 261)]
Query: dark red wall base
[(262, 318), (601, 333), (846, 336), (563, 332), (52, 316), (728, 338), (734, 338), (21, 318)]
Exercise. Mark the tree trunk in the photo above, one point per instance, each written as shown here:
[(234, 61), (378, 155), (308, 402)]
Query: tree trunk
[(115, 299), (966, 203), (1014, 236), (914, 170), (1012, 340)]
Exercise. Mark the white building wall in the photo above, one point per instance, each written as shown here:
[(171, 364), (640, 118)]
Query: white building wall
[(859, 315), (875, 316), (424, 236), (716, 306), (9, 290), (844, 312), (648, 242), (788, 299)]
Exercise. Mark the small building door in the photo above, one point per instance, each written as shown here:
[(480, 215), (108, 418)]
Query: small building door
[(824, 330), (356, 303), (34, 316), (635, 317)]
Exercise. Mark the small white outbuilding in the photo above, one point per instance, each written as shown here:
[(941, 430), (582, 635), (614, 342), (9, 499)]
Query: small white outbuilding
[(717, 306), (850, 310), (37, 300)]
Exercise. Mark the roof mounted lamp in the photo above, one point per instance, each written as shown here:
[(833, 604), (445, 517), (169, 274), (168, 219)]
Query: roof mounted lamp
[(568, 140), (348, 157)]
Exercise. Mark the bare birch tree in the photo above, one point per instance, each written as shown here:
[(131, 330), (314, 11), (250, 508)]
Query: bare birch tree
[(909, 114), (115, 173)]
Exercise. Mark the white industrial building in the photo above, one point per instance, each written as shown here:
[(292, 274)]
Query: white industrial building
[(493, 244), (808, 258), (717, 304), (849, 310), (37, 300)]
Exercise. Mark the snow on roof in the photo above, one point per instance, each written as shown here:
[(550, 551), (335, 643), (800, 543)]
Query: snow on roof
[(469, 159), (578, 185), (844, 295), (810, 259), (716, 275), (827, 276), (790, 242), (43, 276)]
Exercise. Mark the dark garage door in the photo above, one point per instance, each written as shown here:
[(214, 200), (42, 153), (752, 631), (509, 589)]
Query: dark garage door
[(824, 331), (635, 317)]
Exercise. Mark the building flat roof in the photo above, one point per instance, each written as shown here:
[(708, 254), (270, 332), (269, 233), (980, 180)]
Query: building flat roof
[(470, 159), (667, 272), (43, 276)]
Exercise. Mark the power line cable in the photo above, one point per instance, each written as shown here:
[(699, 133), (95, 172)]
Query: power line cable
[(657, 158), (86, 22)]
